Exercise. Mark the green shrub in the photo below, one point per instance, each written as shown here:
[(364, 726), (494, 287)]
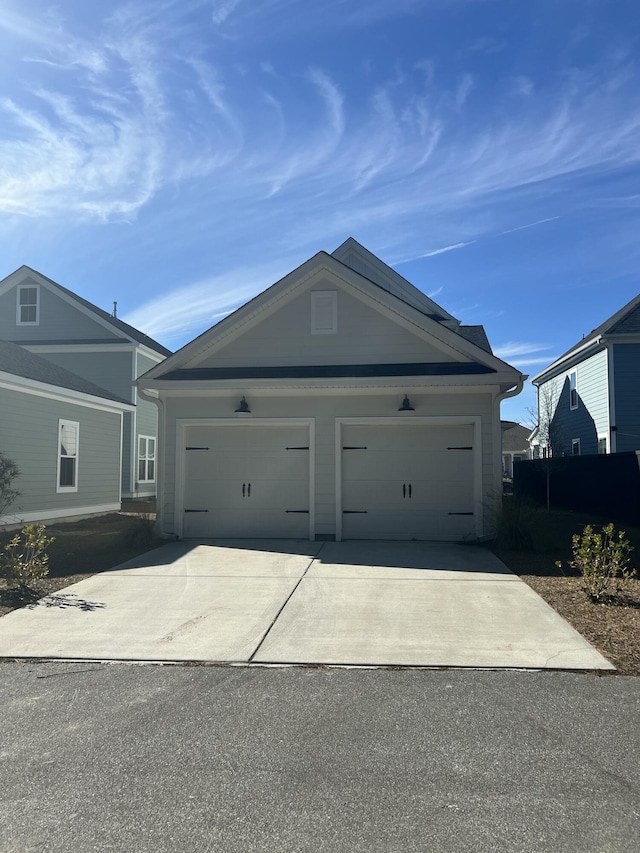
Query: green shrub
[(24, 559), (8, 473), (603, 560)]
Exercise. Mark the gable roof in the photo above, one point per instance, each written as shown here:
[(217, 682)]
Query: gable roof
[(20, 362), (353, 255), (117, 324), (466, 345), (626, 321)]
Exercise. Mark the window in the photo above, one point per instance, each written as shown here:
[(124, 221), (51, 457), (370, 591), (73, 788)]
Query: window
[(146, 459), (573, 392), (68, 433), (602, 445), (28, 305), (575, 447), (324, 312)]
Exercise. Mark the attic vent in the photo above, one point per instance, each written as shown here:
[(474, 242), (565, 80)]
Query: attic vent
[(324, 312)]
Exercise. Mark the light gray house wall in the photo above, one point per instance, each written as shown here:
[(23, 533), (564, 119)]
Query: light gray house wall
[(324, 410), (29, 436), (108, 369)]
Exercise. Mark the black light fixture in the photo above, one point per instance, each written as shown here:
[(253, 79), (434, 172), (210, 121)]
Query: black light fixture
[(406, 405), (243, 407)]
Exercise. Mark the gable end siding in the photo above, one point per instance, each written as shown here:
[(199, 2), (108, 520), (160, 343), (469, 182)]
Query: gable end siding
[(58, 320)]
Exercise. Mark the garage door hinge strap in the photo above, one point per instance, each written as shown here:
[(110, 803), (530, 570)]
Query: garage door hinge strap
[(354, 448), (460, 513), (196, 510), (296, 448), (354, 511), (196, 448), (303, 511), (459, 448)]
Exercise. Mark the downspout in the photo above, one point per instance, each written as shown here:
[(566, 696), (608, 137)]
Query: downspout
[(512, 392), (159, 404)]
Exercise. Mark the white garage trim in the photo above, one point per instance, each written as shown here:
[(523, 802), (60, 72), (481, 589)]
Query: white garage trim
[(408, 423), (182, 424)]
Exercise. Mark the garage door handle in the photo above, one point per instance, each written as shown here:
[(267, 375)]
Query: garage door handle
[(409, 491), (244, 488), (248, 490)]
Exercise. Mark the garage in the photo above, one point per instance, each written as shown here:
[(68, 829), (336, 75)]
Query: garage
[(408, 480), (248, 480)]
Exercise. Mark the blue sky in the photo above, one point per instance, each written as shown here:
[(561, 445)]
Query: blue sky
[(179, 157)]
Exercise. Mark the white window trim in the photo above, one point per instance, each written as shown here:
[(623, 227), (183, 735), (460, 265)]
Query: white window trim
[(573, 407), (146, 458), (574, 442), (318, 296), (61, 423), (19, 289)]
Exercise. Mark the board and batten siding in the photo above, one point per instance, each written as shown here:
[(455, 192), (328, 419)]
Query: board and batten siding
[(324, 410), (364, 336), (29, 436), (626, 375), (58, 319)]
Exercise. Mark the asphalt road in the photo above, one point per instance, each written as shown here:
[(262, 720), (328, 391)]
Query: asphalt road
[(151, 758)]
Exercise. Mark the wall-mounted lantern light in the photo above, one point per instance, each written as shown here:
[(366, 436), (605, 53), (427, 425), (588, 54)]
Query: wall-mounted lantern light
[(243, 408), (406, 406)]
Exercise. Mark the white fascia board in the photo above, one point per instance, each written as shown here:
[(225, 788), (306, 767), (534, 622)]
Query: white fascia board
[(66, 395), (117, 346)]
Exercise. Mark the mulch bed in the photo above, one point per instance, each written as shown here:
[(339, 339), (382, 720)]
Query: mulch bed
[(81, 549)]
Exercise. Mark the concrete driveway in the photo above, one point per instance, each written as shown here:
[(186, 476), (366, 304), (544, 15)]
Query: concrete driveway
[(286, 602)]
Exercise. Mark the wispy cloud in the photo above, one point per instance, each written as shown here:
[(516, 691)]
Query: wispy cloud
[(174, 316), (523, 354), (530, 225)]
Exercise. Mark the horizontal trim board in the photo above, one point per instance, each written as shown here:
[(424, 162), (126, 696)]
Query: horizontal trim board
[(327, 371), (70, 512)]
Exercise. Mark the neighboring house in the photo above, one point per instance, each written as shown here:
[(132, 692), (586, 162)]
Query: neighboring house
[(515, 445), (62, 327), (65, 435), (588, 400), (339, 403)]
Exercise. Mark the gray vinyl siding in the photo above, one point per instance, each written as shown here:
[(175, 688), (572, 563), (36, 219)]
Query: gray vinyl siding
[(59, 320), (325, 410), (110, 370), (29, 436), (626, 372), (146, 424), (591, 418), (364, 335), (127, 431)]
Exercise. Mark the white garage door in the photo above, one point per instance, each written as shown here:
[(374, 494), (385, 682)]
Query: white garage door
[(246, 481), (408, 482)]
